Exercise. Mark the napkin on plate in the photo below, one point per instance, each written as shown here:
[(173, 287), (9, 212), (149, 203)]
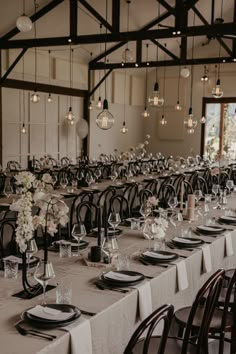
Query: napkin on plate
[(181, 275), (48, 313), (121, 276), (228, 245), (144, 300), (210, 229), (157, 255), (206, 259), (184, 240), (80, 337)]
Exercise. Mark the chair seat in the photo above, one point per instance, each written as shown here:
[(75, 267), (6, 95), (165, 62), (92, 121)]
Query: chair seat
[(173, 346), (181, 317)]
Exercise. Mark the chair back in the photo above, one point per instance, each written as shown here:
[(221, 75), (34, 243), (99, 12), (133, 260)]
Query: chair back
[(206, 299), (7, 238), (147, 327), (119, 204), (87, 214)]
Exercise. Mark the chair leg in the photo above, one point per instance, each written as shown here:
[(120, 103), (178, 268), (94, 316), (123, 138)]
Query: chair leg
[(180, 332)]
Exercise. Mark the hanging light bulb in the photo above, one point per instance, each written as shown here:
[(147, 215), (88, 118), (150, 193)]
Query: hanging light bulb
[(190, 123), (217, 91), (163, 120), (90, 107), (203, 120), (35, 98), (72, 122), (124, 129), (145, 113), (185, 72), (49, 98), (99, 103), (70, 116), (23, 22), (178, 107), (105, 119), (23, 129), (156, 100)]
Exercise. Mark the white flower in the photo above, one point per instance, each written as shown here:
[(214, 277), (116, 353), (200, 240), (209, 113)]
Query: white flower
[(152, 201)]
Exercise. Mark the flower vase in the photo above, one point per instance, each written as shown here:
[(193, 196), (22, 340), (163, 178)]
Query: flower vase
[(30, 291)]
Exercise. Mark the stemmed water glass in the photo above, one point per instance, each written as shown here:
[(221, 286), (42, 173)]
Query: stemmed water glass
[(31, 249), (215, 190), (97, 174), (43, 273), (230, 185), (63, 182), (149, 230), (78, 232), (8, 190), (145, 210), (54, 180), (172, 202), (114, 220)]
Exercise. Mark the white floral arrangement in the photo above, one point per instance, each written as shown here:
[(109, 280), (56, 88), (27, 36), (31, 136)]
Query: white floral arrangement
[(53, 210), (152, 201), (161, 224)]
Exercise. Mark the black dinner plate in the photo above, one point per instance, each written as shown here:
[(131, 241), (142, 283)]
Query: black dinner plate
[(228, 219), (82, 245), (122, 283), (165, 257), (210, 229), (187, 244), (41, 322)]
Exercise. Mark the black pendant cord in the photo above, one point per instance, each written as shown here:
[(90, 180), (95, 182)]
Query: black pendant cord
[(157, 56), (221, 15), (192, 67), (146, 78), (35, 48), (164, 88), (178, 85), (124, 98), (105, 59)]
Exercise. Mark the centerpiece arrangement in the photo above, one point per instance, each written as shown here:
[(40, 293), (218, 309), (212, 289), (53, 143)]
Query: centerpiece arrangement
[(51, 211)]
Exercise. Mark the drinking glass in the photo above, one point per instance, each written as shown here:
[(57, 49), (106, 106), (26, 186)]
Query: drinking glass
[(78, 232), (31, 249), (54, 180), (114, 220), (114, 176), (173, 202), (109, 247), (215, 191), (145, 210), (198, 195), (43, 273), (64, 292), (89, 179), (98, 174), (8, 190), (63, 182), (149, 231), (230, 185)]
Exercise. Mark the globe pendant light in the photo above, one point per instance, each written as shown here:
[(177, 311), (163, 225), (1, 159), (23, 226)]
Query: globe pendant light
[(35, 98), (203, 118), (124, 129), (49, 99), (178, 106), (191, 123), (105, 119), (23, 22), (70, 116), (185, 72), (155, 100), (127, 55), (145, 113), (163, 120)]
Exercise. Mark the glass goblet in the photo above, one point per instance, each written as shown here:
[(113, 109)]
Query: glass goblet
[(114, 220), (78, 232), (43, 273)]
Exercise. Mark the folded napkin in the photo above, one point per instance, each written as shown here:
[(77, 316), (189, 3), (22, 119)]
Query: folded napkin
[(210, 229), (80, 337), (206, 259), (144, 300), (181, 275), (121, 276), (228, 218), (48, 313), (228, 245), (185, 240), (157, 255)]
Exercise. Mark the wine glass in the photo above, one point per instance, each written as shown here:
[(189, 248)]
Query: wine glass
[(114, 175), (63, 182), (172, 202), (145, 210), (97, 174), (78, 232), (31, 249), (8, 190), (148, 231), (230, 185), (43, 273), (89, 179), (54, 180), (114, 220), (215, 190)]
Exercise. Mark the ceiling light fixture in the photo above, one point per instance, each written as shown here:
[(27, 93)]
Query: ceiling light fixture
[(163, 120), (35, 98), (185, 72), (105, 119), (145, 113), (205, 76), (70, 116), (178, 106), (127, 54), (99, 102), (124, 129), (191, 123), (203, 118), (217, 92), (23, 128), (49, 74), (23, 22), (155, 100)]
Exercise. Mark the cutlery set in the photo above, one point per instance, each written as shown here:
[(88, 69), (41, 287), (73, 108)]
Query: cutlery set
[(35, 333)]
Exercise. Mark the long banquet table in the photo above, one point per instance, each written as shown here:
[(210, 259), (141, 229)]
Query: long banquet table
[(116, 313)]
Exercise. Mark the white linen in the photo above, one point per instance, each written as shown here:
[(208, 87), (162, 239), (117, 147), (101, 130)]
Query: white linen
[(144, 300), (181, 275), (206, 259), (48, 313), (121, 276), (228, 245), (80, 337)]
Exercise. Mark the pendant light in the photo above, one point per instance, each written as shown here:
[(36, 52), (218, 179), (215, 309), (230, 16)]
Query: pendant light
[(23, 128), (49, 99), (178, 106), (217, 92), (99, 102), (90, 106), (35, 98), (163, 120), (70, 116), (185, 72), (105, 119), (127, 54), (23, 22), (191, 123), (124, 129), (155, 100), (145, 113), (204, 80)]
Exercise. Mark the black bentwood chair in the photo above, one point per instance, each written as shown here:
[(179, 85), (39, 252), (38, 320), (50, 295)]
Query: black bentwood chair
[(141, 340)]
